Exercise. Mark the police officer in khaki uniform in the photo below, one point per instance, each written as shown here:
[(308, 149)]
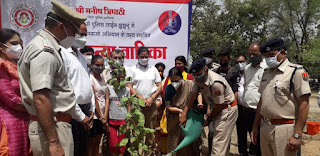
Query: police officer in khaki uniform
[(216, 92), (284, 103), (45, 88)]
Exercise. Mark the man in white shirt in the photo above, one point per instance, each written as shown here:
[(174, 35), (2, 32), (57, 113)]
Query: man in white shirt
[(76, 67), (252, 77)]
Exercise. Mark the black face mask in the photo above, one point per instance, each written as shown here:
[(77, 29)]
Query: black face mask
[(255, 59), (97, 70), (224, 64)]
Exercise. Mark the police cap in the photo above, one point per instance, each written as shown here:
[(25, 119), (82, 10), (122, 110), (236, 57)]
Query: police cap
[(275, 44), (197, 65), (208, 51), (67, 13)]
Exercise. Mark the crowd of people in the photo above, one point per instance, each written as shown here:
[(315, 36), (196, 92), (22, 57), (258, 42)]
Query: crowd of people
[(55, 99)]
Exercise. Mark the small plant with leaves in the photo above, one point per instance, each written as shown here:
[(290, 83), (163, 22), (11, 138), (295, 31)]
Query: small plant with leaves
[(135, 122), (134, 128)]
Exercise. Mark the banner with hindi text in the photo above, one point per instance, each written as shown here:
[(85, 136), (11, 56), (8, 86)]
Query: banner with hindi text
[(161, 25)]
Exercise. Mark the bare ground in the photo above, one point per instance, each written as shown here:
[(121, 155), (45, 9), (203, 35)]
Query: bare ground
[(310, 143)]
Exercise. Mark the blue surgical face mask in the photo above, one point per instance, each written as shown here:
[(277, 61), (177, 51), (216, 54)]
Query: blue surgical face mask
[(201, 78), (272, 62)]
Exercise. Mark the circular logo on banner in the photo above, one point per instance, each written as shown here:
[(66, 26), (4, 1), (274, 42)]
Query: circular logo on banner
[(170, 22), (24, 17)]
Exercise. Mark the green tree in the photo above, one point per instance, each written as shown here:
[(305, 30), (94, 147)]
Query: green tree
[(203, 23), (233, 26), (237, 23), (243, 22), (295, 21)]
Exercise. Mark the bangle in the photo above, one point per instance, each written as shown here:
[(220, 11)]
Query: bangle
[(152, 97)]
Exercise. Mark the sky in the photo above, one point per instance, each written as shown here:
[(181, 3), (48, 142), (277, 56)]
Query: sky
[(219, 2)]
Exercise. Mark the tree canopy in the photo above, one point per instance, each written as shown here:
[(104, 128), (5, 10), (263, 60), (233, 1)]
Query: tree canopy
[(237, 23)]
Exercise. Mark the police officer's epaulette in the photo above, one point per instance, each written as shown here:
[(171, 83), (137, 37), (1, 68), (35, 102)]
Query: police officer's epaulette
[(218, 81), (296, 67), (47, 47)]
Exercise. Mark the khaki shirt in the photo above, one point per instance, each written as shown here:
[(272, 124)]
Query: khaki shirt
[(215, 90), (277, 100), (41, 67)]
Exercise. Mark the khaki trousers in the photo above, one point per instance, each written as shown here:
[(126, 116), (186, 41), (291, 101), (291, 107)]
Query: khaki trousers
[(38, 140), (150, 114), (223, 125), (274, 139)]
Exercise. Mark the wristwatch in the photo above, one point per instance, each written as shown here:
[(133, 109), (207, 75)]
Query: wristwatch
[(297, 136)]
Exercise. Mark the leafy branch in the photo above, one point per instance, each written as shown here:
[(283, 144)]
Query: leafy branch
[(134, 128)]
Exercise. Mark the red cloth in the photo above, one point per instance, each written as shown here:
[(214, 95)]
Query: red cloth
[(115, 136), (116, 122), (16, 122), (189, 77), (10, 67)]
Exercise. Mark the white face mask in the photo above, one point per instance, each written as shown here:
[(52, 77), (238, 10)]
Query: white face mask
[(208, 60), (272, 62), (176, 85), (14, 51), (143, 62), (68, 41), (242, 65), (88, 59), (80, 41), (120, 62)]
